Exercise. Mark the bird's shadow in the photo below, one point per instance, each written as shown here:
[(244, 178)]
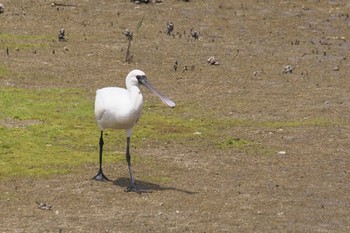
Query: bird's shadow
[(147, 186)]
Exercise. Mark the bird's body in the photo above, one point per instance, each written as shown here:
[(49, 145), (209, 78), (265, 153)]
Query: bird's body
[(120, 108)]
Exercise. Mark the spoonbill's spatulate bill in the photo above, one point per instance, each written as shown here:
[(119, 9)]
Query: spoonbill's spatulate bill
[(120, 108)]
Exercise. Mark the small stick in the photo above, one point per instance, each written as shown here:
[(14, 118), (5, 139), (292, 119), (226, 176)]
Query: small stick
[(127, 55), (60, 4)]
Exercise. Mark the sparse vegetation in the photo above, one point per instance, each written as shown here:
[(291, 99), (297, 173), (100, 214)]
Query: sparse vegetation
[(54, 142), (59, 128), (20, 41), (3, 71)]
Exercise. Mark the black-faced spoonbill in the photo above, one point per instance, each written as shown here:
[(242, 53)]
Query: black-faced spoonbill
[(120, 108)]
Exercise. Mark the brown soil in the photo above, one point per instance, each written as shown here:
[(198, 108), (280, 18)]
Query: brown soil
[(305, 189)]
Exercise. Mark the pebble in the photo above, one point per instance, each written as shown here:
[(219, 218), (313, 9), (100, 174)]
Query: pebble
[(61, 34), (212, 61), (169, 28), (287, 69), (194, 34), (256, 73), (44, 206)]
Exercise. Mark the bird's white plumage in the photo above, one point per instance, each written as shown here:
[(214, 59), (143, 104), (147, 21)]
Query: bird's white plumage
[(116, 109), (120, 108)]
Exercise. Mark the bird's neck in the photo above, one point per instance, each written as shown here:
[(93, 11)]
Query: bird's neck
[(136, 97)]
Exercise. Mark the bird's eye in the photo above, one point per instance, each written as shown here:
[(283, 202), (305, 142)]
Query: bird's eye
[(140, 78)]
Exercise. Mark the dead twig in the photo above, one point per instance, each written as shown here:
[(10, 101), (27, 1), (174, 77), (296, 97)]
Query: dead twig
[(62, 4), (128, 34)]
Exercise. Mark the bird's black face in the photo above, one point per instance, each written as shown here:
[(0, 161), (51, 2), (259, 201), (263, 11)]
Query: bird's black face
[(142, 79)]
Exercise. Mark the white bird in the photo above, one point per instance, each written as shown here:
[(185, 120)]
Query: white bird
[(120, 108)]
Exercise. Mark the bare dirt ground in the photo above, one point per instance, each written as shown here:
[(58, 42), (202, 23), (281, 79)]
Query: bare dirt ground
[(303, 188)]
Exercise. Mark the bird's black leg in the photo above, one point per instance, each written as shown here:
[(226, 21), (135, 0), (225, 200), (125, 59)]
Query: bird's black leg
[(100, 176), (132, 187)]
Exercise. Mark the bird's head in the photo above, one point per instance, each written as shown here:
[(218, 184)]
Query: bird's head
[(138, 77), (132, 79)]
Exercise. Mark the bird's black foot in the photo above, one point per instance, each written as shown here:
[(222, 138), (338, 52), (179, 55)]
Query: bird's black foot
[(134, 188), (100, 177)]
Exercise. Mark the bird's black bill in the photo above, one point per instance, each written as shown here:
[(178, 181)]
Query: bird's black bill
[(166, 100)]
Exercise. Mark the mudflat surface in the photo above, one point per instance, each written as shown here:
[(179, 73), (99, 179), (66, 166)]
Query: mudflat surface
[(283, 66)]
